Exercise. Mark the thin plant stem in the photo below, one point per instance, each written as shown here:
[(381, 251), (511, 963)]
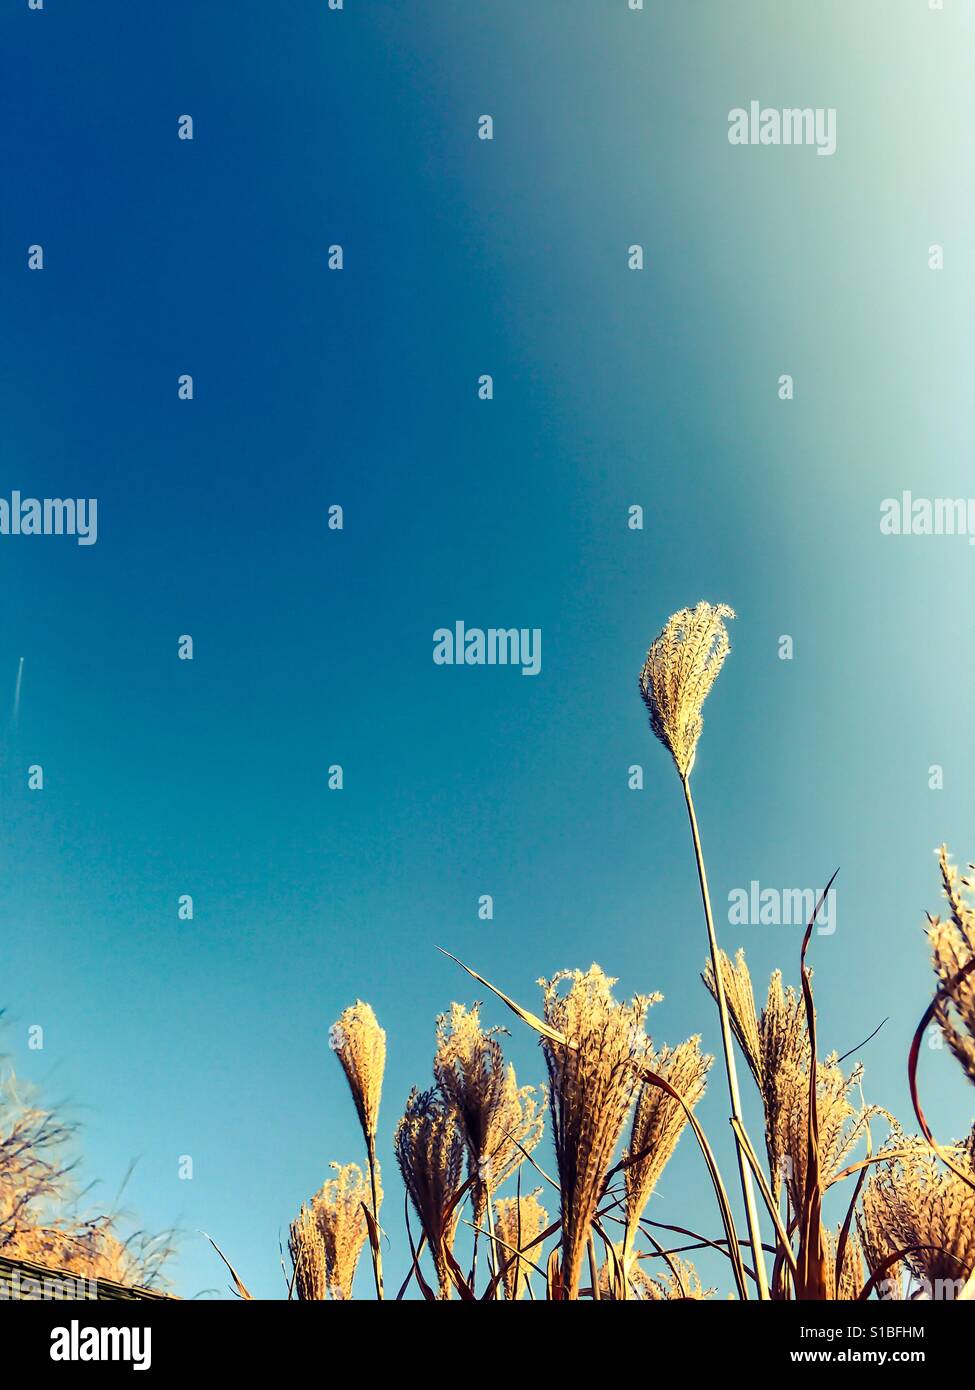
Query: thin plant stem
[(492, 1252), (473, 1273), (593, 1268), (377, 1259), (747, 1190)]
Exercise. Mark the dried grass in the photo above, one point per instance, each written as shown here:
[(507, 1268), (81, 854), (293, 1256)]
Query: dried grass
[(518, 1222), (658, 1123), (592, 1085), (430, 1150), (39, 1216), (915, 1205), (681, 667), (775, 1046), (501, 1122), (953, 947)]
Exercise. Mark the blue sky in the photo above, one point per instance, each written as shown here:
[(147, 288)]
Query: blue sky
[(313, 647)]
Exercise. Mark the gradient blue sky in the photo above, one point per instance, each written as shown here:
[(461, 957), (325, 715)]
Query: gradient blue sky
[(612, 387)]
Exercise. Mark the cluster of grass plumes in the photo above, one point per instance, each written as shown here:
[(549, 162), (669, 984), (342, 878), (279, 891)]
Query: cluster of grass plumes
[(40, 1214), (618, 1106), (500, 1121), (328, 1235), (518, 1223), (924, 1214), (471, 1133), (658, 1122), (593, 1082)]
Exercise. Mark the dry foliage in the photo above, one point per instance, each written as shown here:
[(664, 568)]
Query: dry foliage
[(518, 1222), (907, 1211), (914, 1205), (500, 1122), (430, 1151), (39, 1216), (909, 1219), (327, 1238), (658, 1123), (592, 1083)]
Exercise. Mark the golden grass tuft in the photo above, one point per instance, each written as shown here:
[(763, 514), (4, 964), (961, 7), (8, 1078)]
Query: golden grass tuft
[(915, 1205), (852, 1275), (677, 1281), (430, 1149), (500, 1122), (680, 669), (592, 1085), (308, 1258), (518, 1221), (953, 948), (360, 1045), (658, 1123), (338, 1210), (841, 1123), (775, 1046)]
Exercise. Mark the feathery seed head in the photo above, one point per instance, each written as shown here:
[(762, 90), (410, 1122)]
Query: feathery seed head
[(953, 947), (308, 1258), (679, 1282), (429, 1144), (915, 1204), (517, 1222), (851, 1279), (360, 1045), (327, 1237), (659, 1120), (841, 1123), (593, 1082), (680, 668), (494, 1114), (775, 1046)]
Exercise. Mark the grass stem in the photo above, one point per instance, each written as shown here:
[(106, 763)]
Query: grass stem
[(377, 1258), (747, 1189)]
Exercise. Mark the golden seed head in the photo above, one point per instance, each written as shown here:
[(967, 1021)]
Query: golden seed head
[(592, 1084), (680, 669), (775, 1046), (308, 1258), (953, 946), (360, 1045), (429, 1144), (915, 1204), (517, 1222), (659, 1120), (494, 1114), (841, 1123), (328, 1236), (852, 1277), (674, 1279)]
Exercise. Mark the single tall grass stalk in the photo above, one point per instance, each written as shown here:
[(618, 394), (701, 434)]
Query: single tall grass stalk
[(680, 669), (747, 1189), (360, 1045), (374, 1244)]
